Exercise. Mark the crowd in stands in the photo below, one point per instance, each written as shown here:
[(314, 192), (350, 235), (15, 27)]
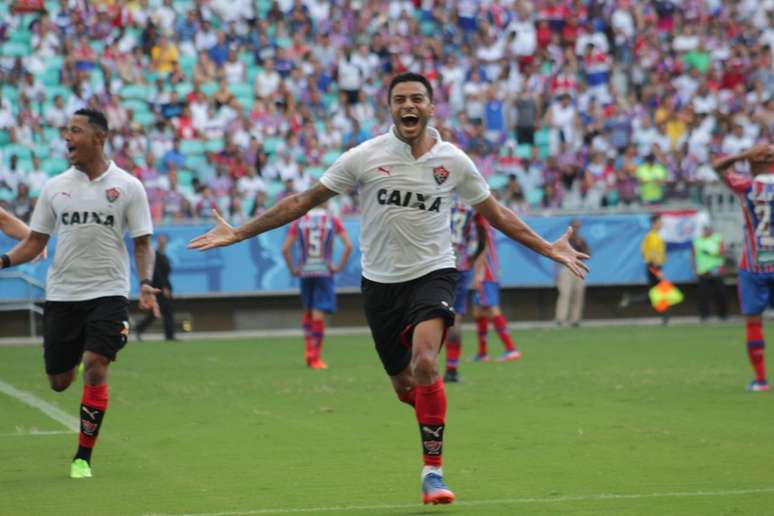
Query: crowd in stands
[(234, 104)]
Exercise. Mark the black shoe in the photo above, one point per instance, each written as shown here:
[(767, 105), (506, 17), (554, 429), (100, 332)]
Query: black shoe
[(451, 376)]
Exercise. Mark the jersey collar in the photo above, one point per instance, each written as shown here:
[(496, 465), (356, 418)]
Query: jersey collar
[(111, 167), (405, 149)]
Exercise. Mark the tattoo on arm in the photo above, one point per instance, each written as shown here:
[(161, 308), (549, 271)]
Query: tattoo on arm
[(287, 210)]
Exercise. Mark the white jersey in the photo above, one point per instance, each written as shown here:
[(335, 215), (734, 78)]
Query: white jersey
[(90, 218), (406, 203)]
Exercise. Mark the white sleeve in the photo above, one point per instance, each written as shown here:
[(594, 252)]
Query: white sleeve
[(342, 175), (43, 218), (472, 187), (138, 215)]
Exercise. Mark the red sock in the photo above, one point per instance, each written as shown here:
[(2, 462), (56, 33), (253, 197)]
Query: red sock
[(482, 326), (453, 350), (431, 416), (409, 398), (755, 349), (501, 327), (93, 405), (308, 344), (318, 333)]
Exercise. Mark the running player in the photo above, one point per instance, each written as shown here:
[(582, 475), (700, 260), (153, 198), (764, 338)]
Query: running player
[(406, 177), (315, 232), (90, 206), (462, 234), (756, 265), (486, 297)]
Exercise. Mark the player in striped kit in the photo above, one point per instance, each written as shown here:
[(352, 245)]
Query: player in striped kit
[(315, 233), (486, 296), (462, 235), (756, 265)]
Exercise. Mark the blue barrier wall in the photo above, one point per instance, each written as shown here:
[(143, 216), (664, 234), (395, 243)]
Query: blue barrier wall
[(257, 265)]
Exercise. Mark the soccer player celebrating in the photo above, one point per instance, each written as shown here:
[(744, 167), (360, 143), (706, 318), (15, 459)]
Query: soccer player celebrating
[(486, 297), (461, 236), (406, 177), (90, 206), (315, 232), (756, 265)]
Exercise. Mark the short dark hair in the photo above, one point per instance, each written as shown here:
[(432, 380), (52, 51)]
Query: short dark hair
[(654, 218), (96, 118), (409, 77)]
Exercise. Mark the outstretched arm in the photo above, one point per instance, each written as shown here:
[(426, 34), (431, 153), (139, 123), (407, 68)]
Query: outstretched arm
[(509, 223), (287, 210), (12, 226)]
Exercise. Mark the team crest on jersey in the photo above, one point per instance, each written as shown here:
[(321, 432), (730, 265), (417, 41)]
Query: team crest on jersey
[(440, 174), (112, 194)]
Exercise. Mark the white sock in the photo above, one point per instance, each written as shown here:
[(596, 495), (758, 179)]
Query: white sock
[(431, 469)]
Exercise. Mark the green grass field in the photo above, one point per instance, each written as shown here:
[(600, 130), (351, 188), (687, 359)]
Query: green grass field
[(620, 421)]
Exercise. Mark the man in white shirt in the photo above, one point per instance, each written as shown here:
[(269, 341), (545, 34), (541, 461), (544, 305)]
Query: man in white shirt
[(89, 206), (405, 179)]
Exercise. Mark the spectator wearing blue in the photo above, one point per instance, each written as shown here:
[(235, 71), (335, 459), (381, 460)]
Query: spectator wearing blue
[(185, 30), (494, 117), (173, 155), (219, 51)]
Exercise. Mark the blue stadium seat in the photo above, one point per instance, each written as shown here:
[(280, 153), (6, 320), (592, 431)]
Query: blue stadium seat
[(185, 178), (51, 76), (54, 90), (20, 36), (42, 150), (209, 88), (184, 88), (315, 172), (5, 137), (241, 89), (270, 144), (136, 105), (524, 150), (329, 157)]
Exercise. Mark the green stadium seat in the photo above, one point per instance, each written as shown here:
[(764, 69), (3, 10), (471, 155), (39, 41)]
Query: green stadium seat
[(272, 189), (54, 166), (5, 137), (196, 162), (315, 172), (16, 49), (246, 101), (24, 165), (270, 144), (524, 150), (185, 178), (329, 157), (187, 63), (189, 147), (20, 36), (54, 90), (252, 71), (241, 89), (7, 195), (136, 105), (534, 196), (214, 145), (42, 150), (497, 181), (10, 93), (184, 88), (50, 133), (209, 88), (20, 151), (145, 118), (247, 58), (50, 77), (134, 91)]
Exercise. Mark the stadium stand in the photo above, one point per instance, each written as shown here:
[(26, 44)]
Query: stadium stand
[(562, 104)]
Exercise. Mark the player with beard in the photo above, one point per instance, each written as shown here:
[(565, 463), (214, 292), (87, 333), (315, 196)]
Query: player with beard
[(406, 178), (89, 206)]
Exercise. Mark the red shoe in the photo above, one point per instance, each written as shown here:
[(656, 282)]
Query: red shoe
[(317, 364)]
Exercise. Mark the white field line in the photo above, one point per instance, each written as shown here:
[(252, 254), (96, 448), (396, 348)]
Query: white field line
[(503, 501), (37, 432), (55, 413)]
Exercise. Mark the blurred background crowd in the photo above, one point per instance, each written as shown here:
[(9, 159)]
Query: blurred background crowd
[(234, 104)]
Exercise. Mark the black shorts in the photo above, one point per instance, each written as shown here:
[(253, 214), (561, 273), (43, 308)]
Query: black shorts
[(394, 309), (71, 327)]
